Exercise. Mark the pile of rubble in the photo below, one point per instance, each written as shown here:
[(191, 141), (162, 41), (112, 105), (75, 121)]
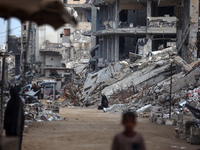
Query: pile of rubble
[(72, 95), (143, 86), (122, 76), (148, 94), (34, 112), (96, 82), (188, 130)]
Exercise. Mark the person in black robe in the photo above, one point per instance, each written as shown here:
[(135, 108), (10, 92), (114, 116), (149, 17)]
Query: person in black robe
[(104, 102), (14, 116)]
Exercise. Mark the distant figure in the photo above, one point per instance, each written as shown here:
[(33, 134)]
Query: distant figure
[(14, 116), (34, 88), (128, 139), (104, 102)]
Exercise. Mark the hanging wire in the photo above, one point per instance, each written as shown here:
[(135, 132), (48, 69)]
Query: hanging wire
[(10, 30)]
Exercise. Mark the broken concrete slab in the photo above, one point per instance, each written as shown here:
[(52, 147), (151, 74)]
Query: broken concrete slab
[(133, 57), (162, 21), (185, 66), (107, 76), (169, 122), (184, 80), (116, 108), (146, 108), (135, 78)]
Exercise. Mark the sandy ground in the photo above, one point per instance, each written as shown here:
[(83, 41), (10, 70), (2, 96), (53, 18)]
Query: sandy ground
[(90, 129)]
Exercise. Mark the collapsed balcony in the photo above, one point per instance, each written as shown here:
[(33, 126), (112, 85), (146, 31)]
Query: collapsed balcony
[(52, 47)]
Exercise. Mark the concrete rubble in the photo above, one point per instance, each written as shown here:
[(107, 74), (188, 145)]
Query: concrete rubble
[(34, 112), (96, 82), (162, 21), (143, 86), (121, 76)]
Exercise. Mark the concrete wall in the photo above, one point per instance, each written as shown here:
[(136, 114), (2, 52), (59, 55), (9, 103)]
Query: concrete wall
[(44, 33), (76, 2), (187, 31), (53, 60), (130, 43), (103, 16), (48, 33), (137, 17), (84, 26), (3, 46)]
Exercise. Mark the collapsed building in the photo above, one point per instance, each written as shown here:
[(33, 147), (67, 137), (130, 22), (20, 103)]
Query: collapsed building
[(134, 26), (12, 64), (55, 53), (143, 26), (188, 30)]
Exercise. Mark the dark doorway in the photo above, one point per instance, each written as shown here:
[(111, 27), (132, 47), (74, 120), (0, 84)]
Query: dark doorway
[(162, 11), (123, 15)]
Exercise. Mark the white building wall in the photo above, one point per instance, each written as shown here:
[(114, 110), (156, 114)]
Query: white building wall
[(76, 2), (44, 33), (3, 46), (53, 60)]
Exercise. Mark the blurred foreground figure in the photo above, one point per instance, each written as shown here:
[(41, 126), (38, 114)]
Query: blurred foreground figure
[(14, 116), (128, 139)]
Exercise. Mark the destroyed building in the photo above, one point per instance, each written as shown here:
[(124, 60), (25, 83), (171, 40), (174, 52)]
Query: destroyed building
[(133, 26), (14, 49), (68, 44), (30, 52), (188, 37)]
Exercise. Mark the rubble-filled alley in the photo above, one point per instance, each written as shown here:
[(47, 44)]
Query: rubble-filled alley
[(82, 65)]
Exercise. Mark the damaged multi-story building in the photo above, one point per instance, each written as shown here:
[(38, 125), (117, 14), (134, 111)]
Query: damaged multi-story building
[(54, 53), (188, 35), (14, 50), (29, 56), (137, 26)]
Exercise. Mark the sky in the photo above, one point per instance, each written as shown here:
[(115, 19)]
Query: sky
[(15, 27)]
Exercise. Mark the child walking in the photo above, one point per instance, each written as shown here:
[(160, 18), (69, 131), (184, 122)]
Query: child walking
[(128, 139)]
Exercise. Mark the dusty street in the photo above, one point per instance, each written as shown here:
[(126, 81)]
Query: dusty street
[(90, 129)]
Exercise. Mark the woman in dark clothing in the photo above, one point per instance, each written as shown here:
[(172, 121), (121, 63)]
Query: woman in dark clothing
[(14, 116), (104, 101)]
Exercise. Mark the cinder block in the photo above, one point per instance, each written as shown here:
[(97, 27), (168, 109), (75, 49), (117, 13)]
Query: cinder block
[(25, 129)]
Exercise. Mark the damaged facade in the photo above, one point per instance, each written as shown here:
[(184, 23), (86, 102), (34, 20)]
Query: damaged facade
[(188, 30), (55, 53), (133, 26), (29, 54)]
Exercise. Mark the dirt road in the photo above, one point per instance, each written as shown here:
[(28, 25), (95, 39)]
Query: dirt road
[(89, 129)]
